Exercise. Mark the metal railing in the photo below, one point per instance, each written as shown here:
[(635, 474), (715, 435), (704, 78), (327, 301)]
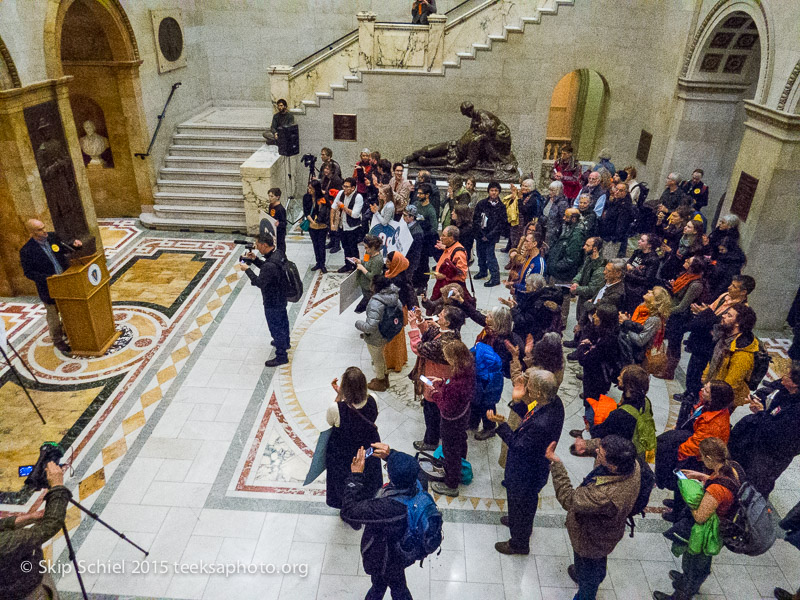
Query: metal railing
[(144, 155)]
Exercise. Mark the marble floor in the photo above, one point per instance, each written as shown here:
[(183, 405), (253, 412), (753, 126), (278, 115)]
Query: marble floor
[(197, 452)]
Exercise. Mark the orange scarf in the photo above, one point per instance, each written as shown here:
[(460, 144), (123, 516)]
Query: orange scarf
[(683, 280), (398, 265), (641, 314)]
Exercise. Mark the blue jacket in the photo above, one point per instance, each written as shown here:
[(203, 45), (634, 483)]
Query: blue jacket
[(488, 376)]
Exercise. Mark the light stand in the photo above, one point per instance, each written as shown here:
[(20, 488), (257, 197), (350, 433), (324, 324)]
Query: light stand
[(19, 379)]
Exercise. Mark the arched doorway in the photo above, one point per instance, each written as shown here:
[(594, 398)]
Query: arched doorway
[(94, 43), (727, 63), (577, 114), (8, 72)]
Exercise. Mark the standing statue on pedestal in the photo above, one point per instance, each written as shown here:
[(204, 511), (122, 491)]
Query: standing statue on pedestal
[(484, 150), (93, 145)]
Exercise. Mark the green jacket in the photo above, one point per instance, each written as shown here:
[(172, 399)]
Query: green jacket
[(564, 258), (21, 545), (373, 267), (590, 278), (705, 537)]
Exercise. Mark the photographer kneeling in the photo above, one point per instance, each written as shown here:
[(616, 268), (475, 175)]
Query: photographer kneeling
[(21, 547)]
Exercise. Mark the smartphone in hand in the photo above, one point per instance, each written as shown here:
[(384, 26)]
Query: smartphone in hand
[(368, 452), (425, 380)]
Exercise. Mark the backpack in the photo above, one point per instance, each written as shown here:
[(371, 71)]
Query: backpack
[(644, 191), (423, 534), (293, 284), (646, 486), (391, 322), (754, 527), (761, 361), (644, 435)]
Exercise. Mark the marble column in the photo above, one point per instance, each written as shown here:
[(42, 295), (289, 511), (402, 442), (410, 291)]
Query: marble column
[(435, 49), (279, 86), (262, 171), (770, 152), (706, 127), (22, 196), (366, 40)]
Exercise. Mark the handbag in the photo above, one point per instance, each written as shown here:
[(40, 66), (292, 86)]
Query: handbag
[(655, 359), (318, 460), (305, 224)]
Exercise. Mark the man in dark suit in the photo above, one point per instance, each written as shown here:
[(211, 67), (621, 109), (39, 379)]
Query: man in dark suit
[(42, 256)]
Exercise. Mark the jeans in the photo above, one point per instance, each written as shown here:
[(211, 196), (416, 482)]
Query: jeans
[(350, 246), (318, 242), (397, 583), (521, 512), (696, 569), (278, 323), (432, 423), (590, 572), (487, 261)]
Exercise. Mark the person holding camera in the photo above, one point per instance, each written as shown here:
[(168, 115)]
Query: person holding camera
[(272, 283), (21, 546)]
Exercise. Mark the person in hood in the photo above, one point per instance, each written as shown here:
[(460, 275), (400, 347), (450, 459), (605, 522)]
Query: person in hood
[(385, 296)]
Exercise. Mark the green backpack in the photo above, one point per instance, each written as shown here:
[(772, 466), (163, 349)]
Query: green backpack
[(644, 436)]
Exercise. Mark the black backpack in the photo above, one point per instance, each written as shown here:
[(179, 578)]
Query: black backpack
[(644, 191), (293, 284), (646, 486), (391, 322), (761, 361)]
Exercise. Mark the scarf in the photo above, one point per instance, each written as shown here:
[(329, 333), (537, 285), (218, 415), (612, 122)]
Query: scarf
[(398, 265), (641, 314), (720, 349), (683, 280)]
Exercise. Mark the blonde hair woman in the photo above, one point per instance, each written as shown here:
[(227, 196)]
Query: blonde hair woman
[(645, 329)]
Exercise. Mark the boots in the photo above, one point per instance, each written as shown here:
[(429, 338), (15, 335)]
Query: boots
[(379, 385)]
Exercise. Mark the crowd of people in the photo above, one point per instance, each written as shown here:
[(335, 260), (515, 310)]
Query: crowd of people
[(644, 269)]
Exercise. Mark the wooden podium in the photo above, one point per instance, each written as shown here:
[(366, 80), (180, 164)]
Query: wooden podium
[(83, 298)]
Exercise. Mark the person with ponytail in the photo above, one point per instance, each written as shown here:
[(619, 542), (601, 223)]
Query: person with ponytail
[(720, 485)]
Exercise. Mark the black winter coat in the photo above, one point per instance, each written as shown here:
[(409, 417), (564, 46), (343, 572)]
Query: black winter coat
[(496, 220), (616, 219), (37, 267), (527, 468), (270, 279)]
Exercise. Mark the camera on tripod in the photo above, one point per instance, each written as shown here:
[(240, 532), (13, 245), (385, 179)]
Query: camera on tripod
[(37, 474), (309, 161)]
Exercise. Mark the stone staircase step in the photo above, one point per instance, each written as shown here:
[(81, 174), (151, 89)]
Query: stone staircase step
[(208, 187), (465, 55), (198, 199), (187, 150), (208, 139), (216, 176), (484, 46), (190, 222), (207, 163), (216, 128)]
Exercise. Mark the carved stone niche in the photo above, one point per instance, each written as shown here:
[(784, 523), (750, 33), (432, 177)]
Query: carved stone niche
[(85, 110), (169, 38)]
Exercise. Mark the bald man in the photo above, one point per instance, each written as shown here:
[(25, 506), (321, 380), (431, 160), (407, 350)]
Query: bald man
[(42, 256)]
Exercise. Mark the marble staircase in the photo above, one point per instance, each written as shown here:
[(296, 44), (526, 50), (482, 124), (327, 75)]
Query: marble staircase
[(199, 185), (476, 30)]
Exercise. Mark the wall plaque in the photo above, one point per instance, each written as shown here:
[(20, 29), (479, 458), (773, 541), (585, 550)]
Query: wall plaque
[(57, 174), (345, 128), (743, 197), (643, 150), (169, 38)]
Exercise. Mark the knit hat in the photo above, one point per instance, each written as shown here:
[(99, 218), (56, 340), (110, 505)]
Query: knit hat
[(402, 468), (410, 210)]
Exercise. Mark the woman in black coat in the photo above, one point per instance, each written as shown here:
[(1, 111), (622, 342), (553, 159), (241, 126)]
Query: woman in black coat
[(641, 271), (598, 352), (318, 215), (353, 421)]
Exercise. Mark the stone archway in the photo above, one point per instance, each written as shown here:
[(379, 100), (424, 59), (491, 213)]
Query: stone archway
[(93, 42), (9, 78)]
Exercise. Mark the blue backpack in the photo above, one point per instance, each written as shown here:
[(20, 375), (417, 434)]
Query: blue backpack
[(423, 534)]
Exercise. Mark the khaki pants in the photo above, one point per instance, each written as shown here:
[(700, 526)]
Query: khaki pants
[(378, 360), (54, 323), (513, 421)]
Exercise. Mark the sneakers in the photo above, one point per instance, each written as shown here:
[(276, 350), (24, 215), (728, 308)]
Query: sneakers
[(421, 446), (277, 361), (485, 434), (440, 488), (480, 275), (379, 385), (492, 283), (506, 548)]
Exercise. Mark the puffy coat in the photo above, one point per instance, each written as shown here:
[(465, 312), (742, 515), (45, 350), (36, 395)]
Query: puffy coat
[(736, 367), (375, 308), (488, 376), (564, 258), (709, 424)]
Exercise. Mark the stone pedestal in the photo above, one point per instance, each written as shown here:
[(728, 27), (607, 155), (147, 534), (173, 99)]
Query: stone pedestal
[(279, 85), (366, 40), (262, 171), (770, 152)]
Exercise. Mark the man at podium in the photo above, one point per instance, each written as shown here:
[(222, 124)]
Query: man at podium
[(42, 256)]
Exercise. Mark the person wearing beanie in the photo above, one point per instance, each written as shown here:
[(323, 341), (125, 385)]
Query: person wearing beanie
[(383, 517), (604, 162)]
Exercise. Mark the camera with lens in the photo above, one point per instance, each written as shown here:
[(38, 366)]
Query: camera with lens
[(309, 161), (48, 452)]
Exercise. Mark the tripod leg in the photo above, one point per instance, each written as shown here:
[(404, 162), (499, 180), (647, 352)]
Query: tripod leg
[(24, 364), (22, 385), (71, 552), (97, 518)]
